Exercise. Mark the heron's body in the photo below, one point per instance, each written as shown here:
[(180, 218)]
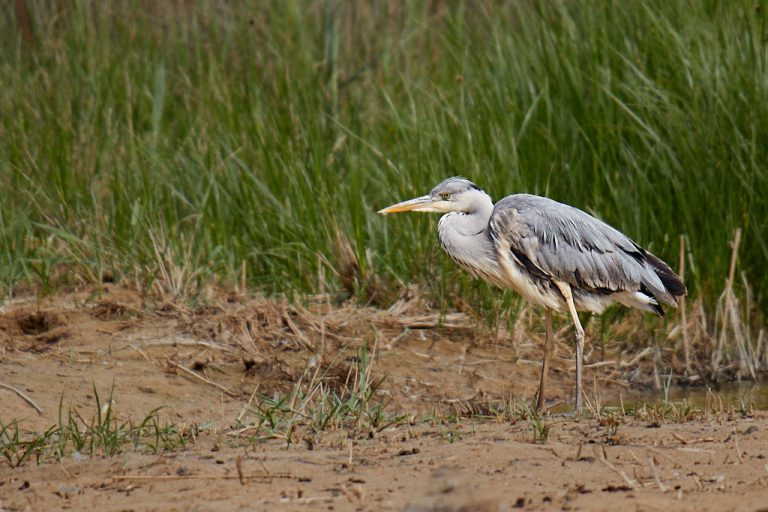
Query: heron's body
[(526, 241), (552, 254)]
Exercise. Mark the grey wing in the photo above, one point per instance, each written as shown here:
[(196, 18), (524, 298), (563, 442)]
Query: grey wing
[(562, 242)]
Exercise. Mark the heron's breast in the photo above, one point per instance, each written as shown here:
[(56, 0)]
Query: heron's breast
[(469, 248)]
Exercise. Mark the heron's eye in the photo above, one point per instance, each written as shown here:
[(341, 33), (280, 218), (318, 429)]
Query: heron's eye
[(445, 196)]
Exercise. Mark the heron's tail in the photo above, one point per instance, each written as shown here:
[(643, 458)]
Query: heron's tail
[(671, 281)]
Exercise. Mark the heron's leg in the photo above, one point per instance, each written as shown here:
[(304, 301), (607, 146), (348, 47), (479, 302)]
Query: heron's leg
[(565, 289), (548, 344)]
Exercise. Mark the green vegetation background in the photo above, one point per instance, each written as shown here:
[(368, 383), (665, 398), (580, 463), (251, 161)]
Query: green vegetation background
[(198, 138)]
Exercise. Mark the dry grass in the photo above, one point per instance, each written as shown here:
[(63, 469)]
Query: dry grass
[(691, 346), (337, 389)]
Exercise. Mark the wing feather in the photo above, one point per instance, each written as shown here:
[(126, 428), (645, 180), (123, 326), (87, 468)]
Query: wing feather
[(565, 243)]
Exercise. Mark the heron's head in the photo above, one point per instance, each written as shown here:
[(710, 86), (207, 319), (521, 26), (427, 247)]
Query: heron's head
[(452, 195)]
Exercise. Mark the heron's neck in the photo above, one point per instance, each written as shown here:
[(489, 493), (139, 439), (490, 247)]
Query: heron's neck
[(466, 239)]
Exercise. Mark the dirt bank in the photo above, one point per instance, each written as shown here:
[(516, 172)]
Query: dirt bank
[(447, 450)]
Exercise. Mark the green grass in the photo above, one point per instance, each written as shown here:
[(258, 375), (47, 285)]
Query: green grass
[(173, 143), (104, 434), (313, 407), (539, 429)]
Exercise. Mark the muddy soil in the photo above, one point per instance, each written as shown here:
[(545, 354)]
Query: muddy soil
[(203, 366)]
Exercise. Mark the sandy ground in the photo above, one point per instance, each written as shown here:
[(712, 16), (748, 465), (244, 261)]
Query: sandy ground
[(57, 350)]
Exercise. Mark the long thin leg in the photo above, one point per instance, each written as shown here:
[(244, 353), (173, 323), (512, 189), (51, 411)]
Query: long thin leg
[(548, 344), (565, 289)]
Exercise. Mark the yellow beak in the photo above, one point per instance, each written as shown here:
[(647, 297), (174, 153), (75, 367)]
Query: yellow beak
[(418, 204)]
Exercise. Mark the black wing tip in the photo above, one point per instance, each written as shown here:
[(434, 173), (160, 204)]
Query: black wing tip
[(671, 281), (654, 303)]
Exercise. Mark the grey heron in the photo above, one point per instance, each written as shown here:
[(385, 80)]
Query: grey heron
[(552, 254)]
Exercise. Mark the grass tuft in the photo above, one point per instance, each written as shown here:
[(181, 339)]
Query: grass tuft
[(313, 408), (103, 434)]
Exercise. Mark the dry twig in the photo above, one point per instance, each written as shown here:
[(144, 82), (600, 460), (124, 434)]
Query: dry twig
[(203, 477), (137, 349), (239, 466), (738, 449), (728, 294), (683, 313), (662, 487), (190, 343), (23, 397), (189, 372), (245, 407), (692, 441), (630, 482)]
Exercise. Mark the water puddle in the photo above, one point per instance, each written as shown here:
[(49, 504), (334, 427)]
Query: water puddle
[(736, 395)]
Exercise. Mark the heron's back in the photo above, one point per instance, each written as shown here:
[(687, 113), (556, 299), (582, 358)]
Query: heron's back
[(547, 240)]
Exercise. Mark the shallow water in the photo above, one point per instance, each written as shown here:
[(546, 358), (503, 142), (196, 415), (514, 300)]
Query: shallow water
[(747, 394)]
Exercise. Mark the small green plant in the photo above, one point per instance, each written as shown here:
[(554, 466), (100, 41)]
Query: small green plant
[(482, 407), (669, 412), (450, 435), (316, 408), (102, 434), (16, 446), (668, 386), (745, 407), (539, 427), (611, 422)]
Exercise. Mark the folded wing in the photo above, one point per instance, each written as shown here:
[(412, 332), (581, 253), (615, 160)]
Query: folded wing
[(554, 240)]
